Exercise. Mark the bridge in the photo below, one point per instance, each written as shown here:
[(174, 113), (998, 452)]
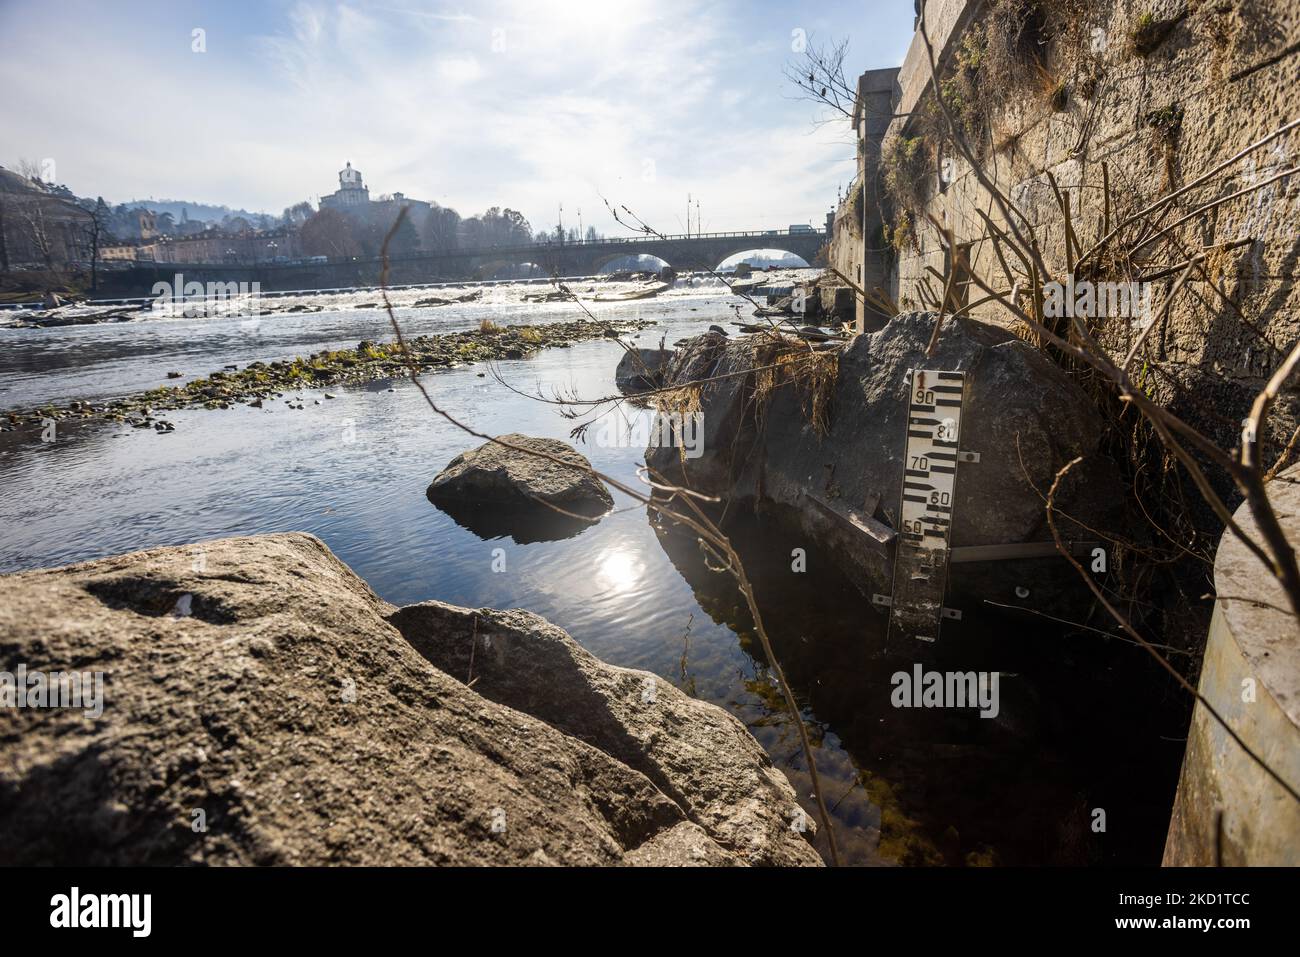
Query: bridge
[(688, 253)]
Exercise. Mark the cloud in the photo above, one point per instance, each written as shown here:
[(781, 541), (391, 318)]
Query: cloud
[(521, 104)]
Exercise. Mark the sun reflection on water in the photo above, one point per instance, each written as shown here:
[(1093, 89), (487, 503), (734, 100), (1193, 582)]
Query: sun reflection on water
[(619, 568)]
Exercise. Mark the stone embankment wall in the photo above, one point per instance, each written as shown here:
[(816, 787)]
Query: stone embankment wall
[(846, 248), (1122, 103), (1082, 114)]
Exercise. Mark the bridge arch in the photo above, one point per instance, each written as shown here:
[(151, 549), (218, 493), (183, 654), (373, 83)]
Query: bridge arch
[(761, 256)]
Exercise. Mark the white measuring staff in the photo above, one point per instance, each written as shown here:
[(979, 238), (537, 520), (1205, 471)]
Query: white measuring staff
[(930, 456)]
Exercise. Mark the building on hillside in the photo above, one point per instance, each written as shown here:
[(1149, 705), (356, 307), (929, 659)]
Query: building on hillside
[(187, 226), (352, 198), (121, 252), (39, 226), (213, 247), (142, 224), (384, 210)]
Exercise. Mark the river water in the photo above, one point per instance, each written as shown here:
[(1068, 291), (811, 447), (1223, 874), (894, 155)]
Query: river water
[(1080, 728)]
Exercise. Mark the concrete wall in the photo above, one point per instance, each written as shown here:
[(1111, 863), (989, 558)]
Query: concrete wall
[(857, 240), (1228, 810), (1104, 106)]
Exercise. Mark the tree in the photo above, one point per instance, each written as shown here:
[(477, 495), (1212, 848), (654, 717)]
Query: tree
[(442, 230), (297, 214), (96, 232), (329, 233), (818, 74), (369, 236), (30, 169), (4, 237), (405, 240), (518, 232), (497, 227), (32, 215), (235, 226)]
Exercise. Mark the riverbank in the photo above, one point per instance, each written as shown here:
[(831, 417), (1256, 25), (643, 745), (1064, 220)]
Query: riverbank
[(259, 382)]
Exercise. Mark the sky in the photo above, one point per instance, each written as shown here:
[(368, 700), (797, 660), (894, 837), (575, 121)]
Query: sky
[(526, 104)]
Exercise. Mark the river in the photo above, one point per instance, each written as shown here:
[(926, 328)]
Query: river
[(1080, 730)]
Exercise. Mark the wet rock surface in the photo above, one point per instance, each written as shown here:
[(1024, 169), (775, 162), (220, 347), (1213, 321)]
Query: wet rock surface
[(268, 698)]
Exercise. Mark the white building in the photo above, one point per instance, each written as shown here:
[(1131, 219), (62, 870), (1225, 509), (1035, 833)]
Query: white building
[(352, 195)]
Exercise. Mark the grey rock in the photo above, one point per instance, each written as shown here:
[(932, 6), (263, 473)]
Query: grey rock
[(642, 369), (694, 752), (287, 709), (1023, 415), (495, 475)]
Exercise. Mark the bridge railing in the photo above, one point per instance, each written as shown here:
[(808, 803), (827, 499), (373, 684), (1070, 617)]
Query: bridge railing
[(546, 245)]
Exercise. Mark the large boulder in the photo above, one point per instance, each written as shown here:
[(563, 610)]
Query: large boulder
[(1023, 415), (691, 750), (258, 708), (495, 489)]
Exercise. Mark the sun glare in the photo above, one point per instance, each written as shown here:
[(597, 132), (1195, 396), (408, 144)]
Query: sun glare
[(619, 569)]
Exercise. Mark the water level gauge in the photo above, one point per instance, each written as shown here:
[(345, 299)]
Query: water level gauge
[(926, 510)]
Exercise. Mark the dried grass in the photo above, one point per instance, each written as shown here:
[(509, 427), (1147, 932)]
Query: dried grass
[(786, 361)]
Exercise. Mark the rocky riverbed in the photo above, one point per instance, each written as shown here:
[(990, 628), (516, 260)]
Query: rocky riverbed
[(265, 382)]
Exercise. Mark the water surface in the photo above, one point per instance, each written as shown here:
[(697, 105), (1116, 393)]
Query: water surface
[(1079, 729)]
